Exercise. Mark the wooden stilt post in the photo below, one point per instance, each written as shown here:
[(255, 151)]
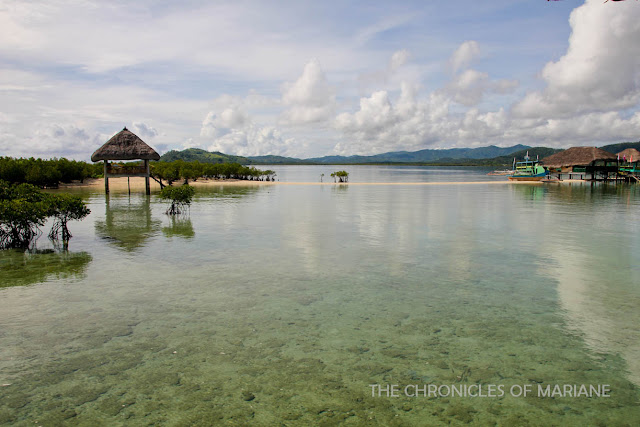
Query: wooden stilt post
[(106, 178), (129, 184), (146, 177)]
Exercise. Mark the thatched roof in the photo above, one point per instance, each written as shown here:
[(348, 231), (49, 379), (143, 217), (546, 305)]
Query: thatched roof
[(577, 156), (629, 153), (125, 145)]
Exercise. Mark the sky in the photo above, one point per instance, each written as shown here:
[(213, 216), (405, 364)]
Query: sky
[(307, 79)]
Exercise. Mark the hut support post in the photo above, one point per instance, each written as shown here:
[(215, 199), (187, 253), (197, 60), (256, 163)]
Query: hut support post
[(106, 177), (146, 177)]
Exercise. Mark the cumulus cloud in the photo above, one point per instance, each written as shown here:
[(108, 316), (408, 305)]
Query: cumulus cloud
[(144, 130), (233, 132), (253, 140), (383, 76), (56, 140), (309, 99), (191, 143), (76, 90), (601, 69), (464, 55), (468, 86), (398, 59), (381, 125)]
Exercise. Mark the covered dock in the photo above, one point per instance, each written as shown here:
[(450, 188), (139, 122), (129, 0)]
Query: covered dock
[(125, 145), (582, 163)]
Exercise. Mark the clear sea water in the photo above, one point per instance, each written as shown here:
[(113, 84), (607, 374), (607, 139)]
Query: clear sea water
[(284, 304)]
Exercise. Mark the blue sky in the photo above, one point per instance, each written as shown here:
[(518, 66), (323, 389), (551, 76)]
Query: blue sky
[(315, 78)]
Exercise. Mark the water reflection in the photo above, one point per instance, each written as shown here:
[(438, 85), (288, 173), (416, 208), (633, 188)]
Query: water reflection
[(128, 222), (340, 188), (530, 192), (227, 191), (577, 193), (180, 226), (19, 268), (595, 267)]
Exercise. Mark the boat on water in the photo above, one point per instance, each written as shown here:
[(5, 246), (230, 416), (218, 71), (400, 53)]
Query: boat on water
[(528, 170)]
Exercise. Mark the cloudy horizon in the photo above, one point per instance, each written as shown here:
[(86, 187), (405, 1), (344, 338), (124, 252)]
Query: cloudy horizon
[(304, 79)]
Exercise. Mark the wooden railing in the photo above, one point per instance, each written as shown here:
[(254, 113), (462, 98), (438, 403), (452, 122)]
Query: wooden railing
[(116, 169)]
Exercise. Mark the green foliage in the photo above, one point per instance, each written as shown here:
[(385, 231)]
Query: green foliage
[(168, 171), (46, 173), (179, 169), (19, 268), (24, 209), (616, 148), (65, 208), (180, 198), (340, 176)]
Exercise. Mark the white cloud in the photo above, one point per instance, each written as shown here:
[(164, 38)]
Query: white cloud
[(215, 36), (191, 143), (380, 126), (601, 68), (55, 140), (162, 65), (252, 140), (464, 55), (233, 132), (143, 130), (309, 99), (469, 87), (398, 59), (383, 78)]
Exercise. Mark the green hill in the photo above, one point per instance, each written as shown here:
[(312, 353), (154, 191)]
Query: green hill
[(616, 148), (276, 160), (203, 156), (423, 156), (534, 152), (455, 155), (482, 156)]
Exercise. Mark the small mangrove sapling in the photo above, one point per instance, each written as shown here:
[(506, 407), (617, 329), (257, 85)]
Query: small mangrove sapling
[(180, 198), (65, 208), (340, 176)]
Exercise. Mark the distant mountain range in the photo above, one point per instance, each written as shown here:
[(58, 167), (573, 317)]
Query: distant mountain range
[(489, 156)]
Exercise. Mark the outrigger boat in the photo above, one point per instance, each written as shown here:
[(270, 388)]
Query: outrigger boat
[(528, 170)]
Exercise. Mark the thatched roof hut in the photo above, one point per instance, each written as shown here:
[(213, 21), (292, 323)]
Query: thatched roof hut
[(629, 153), (577, 156), (125, 145)]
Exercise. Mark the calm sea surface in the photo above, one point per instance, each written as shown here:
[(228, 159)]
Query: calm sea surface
[(284, 304)]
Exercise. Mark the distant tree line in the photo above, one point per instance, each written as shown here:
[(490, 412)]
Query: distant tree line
[(181, 170), (24, 209), (49, 173), (46, 173)]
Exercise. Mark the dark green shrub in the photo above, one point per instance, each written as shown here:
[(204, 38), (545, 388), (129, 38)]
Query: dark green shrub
[(180, 198)]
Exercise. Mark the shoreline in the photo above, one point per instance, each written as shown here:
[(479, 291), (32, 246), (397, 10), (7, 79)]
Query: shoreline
[(137, 183)]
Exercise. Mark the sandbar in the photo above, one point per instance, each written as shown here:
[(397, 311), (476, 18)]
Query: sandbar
[(137, 183)]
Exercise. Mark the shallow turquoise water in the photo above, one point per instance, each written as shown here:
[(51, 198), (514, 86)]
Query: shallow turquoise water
[(283, 304)]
